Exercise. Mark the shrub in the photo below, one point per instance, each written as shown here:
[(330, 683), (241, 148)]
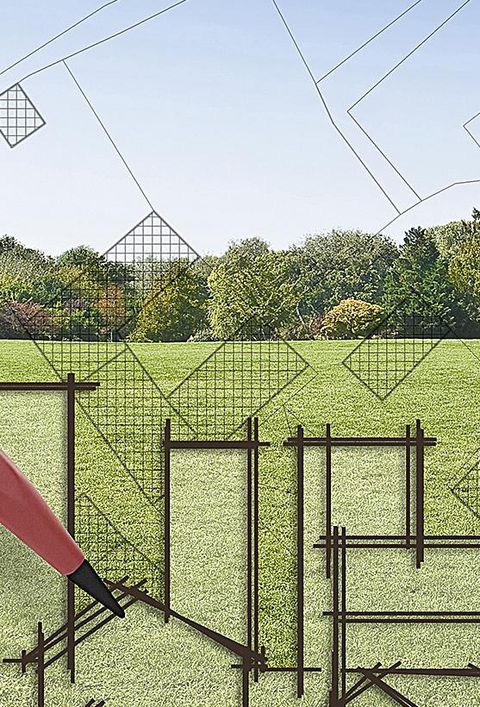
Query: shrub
[(16, 320), (351, 319)]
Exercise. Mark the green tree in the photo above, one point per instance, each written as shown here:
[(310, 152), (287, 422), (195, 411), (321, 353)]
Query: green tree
[(341, 265), (450, 236), (177, 311), (96, 266), (464, 273), (81, 256), (8, 243), (252, 284), (22, 270), (418, 283)]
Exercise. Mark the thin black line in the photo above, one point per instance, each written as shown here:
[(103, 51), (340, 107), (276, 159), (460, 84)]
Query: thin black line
[(408, 614), (443, 672), (41, 666), (357, 442), (384, 155), (343, 555), (408, 500), (360, 686), (106, 39), (392, 22), (389, 73), (407, 56), (229, 643), (388, 689), (71, 519), (426, 198), (420, 474), (292, 395), (416, 621), (325, 105), (335, 623), (330, 116), (61, 34), (22, 386), (108, 135), (328, 500), (468, 131), (245, 685)]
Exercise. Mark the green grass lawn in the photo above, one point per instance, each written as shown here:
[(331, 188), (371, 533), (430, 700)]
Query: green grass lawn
[(175, 666)]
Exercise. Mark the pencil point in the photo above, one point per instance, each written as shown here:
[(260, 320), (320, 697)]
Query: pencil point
[(87, 579)]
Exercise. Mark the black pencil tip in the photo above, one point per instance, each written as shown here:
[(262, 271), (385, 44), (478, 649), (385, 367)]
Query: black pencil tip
[(87, 579)]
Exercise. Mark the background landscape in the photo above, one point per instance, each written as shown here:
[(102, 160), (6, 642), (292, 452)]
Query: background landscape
[(334, 285)]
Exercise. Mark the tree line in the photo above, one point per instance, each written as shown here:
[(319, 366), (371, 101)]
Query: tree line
[(338, 284)]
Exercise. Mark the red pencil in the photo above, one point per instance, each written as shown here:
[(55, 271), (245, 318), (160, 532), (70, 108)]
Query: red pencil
[(25, 513)]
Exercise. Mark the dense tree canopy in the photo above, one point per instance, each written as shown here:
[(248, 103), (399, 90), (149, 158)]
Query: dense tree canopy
[(464, 268), (177, 311), (333, 284), (253, 284), (342, 265)]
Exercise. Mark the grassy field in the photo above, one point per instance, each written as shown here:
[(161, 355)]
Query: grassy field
[(175, 666)]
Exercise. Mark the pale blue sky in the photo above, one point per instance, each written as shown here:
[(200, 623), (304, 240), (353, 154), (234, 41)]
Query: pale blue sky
[(219, 120)]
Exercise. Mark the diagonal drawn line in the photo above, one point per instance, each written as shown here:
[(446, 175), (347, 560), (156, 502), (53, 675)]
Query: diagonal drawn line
[(385, 156), (155, 213), (105, 39), (121, 461), (388, 689), (121, 537), (384, 77), (230, 644), (283, 409), (365, 44), (410, 53), (438, 330), (471, 460), (330, 116), (426, 198), (257, 406), (327, 109), (469, 132), (102, 124), (57, 36)]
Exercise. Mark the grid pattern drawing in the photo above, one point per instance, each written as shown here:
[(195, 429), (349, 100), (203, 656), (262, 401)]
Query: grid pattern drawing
[(467, 488), (112, 555), (389, 353), (85, 326), (236, 381), (153, 254), (128, 409), (18, 116)]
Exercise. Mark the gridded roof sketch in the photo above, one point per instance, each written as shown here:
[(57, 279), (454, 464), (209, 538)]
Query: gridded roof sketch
[(149, 251), (18, 116), (395, 347)]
